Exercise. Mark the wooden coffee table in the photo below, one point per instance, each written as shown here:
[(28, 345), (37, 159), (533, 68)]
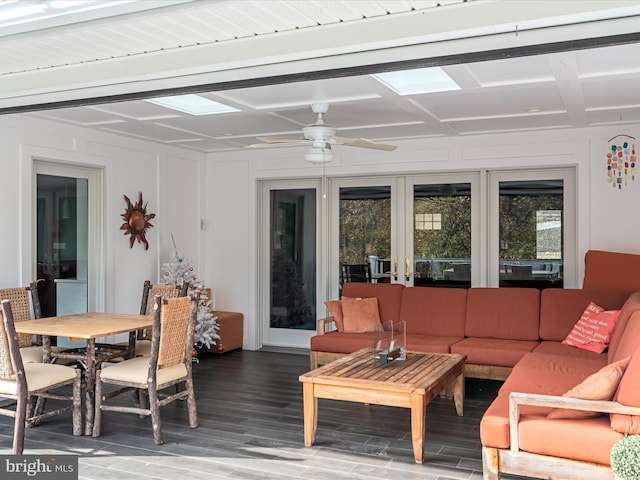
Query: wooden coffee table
[(411, 383)]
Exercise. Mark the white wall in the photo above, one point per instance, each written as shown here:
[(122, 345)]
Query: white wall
[(169, 178), (607, 219)]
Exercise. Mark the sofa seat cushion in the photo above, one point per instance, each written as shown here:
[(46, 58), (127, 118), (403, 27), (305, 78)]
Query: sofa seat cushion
[(434, 311), (505, 313), (430, 343), (565, 438), (493, 351), (550, 374), (341, 342), (569, 351), (494, 425), (561, 308)]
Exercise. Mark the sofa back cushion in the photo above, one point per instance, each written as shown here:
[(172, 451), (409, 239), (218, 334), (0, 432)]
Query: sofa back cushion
[(560, 309), (628, 393), (611, 270), (620, 332), (507, 313), (389, 296), (434, 311), (629, 341)]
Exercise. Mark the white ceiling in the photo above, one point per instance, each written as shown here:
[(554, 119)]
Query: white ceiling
[(578, 88)]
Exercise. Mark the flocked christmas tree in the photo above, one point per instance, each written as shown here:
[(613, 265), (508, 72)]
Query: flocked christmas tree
[(179, 269)]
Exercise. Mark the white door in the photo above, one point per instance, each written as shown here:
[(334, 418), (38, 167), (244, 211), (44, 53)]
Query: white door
[(290, 262), (68, 240)]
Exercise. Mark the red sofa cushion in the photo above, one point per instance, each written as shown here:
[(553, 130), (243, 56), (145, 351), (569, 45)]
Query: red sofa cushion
[(619, 333), (611, 270), (561, 308), (506, 313), (341, 342), (434, 311), (493, 351), (628, 393), (389, 297), (565, 438)]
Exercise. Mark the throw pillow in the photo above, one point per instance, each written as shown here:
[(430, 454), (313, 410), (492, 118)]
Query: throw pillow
[(335, 309), (593, 330), (360, 315), (601, 385)]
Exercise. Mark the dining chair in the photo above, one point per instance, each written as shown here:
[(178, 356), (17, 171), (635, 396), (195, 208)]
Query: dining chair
[(356, 272), (21, 383), (521, 272), (25, 305), (169, 364), (149, 291)]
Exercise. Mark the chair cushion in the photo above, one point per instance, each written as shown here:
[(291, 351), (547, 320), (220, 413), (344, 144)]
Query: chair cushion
[(143, 348), (39, 376), (34, 354), (135, 371)]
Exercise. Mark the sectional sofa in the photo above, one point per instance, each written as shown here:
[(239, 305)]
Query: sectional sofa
[(516, 335)]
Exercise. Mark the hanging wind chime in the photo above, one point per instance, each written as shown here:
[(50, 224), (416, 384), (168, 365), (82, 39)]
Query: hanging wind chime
[(621, 162)]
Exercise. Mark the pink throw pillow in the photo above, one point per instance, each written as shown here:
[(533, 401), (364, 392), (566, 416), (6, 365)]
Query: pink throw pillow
[(335, 309), (360, 315), (593, 330), (601, 385)]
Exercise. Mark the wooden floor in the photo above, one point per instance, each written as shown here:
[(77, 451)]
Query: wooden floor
[(250, 415)]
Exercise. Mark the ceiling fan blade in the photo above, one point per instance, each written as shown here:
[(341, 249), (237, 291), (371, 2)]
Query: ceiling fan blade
[(363, 143), (282, 140)]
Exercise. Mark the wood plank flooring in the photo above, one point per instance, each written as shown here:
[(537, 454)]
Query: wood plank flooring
[(251, 427)]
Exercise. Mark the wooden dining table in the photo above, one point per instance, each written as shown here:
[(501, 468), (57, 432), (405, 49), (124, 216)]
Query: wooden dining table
[(87, 326)]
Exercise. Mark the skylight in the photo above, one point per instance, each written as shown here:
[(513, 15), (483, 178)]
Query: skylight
[(193, 105), (417, 81)]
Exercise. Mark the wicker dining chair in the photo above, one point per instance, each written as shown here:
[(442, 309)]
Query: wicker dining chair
[(22, 383), (168, 365), (25, 305), (149, 291)]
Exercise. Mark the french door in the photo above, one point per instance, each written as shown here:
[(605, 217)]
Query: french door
[(408, 229)]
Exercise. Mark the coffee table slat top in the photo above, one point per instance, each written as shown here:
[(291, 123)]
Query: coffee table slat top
[(418, 371)]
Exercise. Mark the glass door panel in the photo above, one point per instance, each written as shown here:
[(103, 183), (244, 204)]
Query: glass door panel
[(365, 234), (531, 233), (442, 234), (62, 205), (293, 254)]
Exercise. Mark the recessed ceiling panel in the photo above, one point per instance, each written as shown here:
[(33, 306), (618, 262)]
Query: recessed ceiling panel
[(492, 102), (512, 71), (234, 124), (612, 91), (511, 124), (150, 131), (81, 116)]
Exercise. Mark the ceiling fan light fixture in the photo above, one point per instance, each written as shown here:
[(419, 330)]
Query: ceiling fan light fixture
[(319, 155)]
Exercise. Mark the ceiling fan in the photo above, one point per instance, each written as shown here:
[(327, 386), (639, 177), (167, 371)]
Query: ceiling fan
[(322, 136)]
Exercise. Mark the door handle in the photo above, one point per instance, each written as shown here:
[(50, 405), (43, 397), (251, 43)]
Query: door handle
[(395, 268), (407, 269)]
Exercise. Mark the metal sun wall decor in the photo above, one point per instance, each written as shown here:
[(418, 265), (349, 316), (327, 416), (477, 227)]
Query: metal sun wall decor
[(621, 162), (136, 221)]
